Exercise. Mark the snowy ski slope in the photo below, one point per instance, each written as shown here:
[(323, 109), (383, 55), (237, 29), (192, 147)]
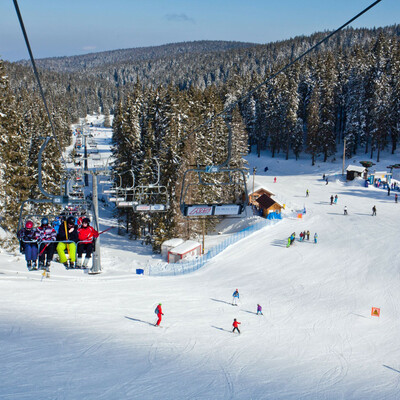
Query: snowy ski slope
[(75, 336)]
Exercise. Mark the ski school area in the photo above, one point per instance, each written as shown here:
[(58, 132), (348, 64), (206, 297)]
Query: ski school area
[(327, 327)]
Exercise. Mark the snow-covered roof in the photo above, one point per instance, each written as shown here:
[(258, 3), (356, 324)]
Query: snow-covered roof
[(185, 247), (257, 188), (356, 168), (172, 242)]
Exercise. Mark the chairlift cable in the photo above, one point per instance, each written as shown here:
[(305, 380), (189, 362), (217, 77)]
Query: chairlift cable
[(21, 22), (225, 111)]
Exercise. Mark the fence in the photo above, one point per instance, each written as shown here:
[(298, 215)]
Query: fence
[(164, 269)]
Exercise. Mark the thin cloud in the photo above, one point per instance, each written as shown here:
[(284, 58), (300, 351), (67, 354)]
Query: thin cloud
[(179, 18), (88, 48)]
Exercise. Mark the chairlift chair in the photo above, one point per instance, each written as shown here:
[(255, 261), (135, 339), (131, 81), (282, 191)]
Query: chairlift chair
[(222, 176)]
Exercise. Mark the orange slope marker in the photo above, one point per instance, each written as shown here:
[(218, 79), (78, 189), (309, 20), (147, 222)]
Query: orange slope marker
[(375, 312)]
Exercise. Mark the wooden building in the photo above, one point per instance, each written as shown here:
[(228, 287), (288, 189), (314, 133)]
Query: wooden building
[(268, 205), (257, 194)]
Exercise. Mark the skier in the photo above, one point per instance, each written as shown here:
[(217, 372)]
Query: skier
[(307, 193), (292, 237), (235, 326), (46, 234), (86, 236), (331, 199), (159, 313), (289, 241), (395, 198), (235, 297), (28, 244), (345, 210), (259, 310), (326, 180), (315, 237), (373, 211), (388, 190), (67, 238), (336, 198), (275, 179), (323, 176), (308, 235)]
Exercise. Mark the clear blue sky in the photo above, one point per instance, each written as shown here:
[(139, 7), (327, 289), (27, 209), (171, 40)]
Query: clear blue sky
[(71, 27)]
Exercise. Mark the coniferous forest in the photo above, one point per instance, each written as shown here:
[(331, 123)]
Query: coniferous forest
[(160, 98)]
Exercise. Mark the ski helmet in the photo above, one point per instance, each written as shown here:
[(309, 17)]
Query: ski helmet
[(86, 220), (29, 225), (71, 220), (45, 221)]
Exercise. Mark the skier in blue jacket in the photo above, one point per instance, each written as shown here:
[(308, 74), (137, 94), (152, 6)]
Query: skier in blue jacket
[(235, 297)]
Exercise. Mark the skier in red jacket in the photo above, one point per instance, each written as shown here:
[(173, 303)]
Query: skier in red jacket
[(86, 236), (236, 326), (159, 313)]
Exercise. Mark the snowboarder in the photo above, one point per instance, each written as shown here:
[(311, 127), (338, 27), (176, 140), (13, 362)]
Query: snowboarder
[(235, 297), (235, 326), (308, 235), (307, 193), (315, 237), (373, 211), (259, 310), (67, 238), (46, 235), (395, 198), (28, 243), (292, 237), (345, 210), (336, 198), (331, 199), (86, 236), (159, 314)]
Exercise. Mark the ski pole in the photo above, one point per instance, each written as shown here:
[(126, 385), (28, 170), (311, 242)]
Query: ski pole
[(105, 230), (44, 248)]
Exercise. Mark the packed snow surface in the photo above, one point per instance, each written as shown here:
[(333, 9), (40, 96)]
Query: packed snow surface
[(80, 336)]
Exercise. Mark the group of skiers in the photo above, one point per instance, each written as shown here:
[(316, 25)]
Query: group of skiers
[(235, 297), (303, 236), (66, 234), (334, 199)]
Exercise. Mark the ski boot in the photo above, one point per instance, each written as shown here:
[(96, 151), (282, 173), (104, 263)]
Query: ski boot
[(34, 264), (79, 263), (41, 264), (85, 263), (71, 264), (48, 263), (66, 265), (29, 265)]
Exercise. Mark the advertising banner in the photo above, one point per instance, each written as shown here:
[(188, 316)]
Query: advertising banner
[(230, 209), (194, 211)]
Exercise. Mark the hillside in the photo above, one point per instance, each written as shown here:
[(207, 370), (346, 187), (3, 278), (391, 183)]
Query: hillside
[(92, 61), (90, 337)]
